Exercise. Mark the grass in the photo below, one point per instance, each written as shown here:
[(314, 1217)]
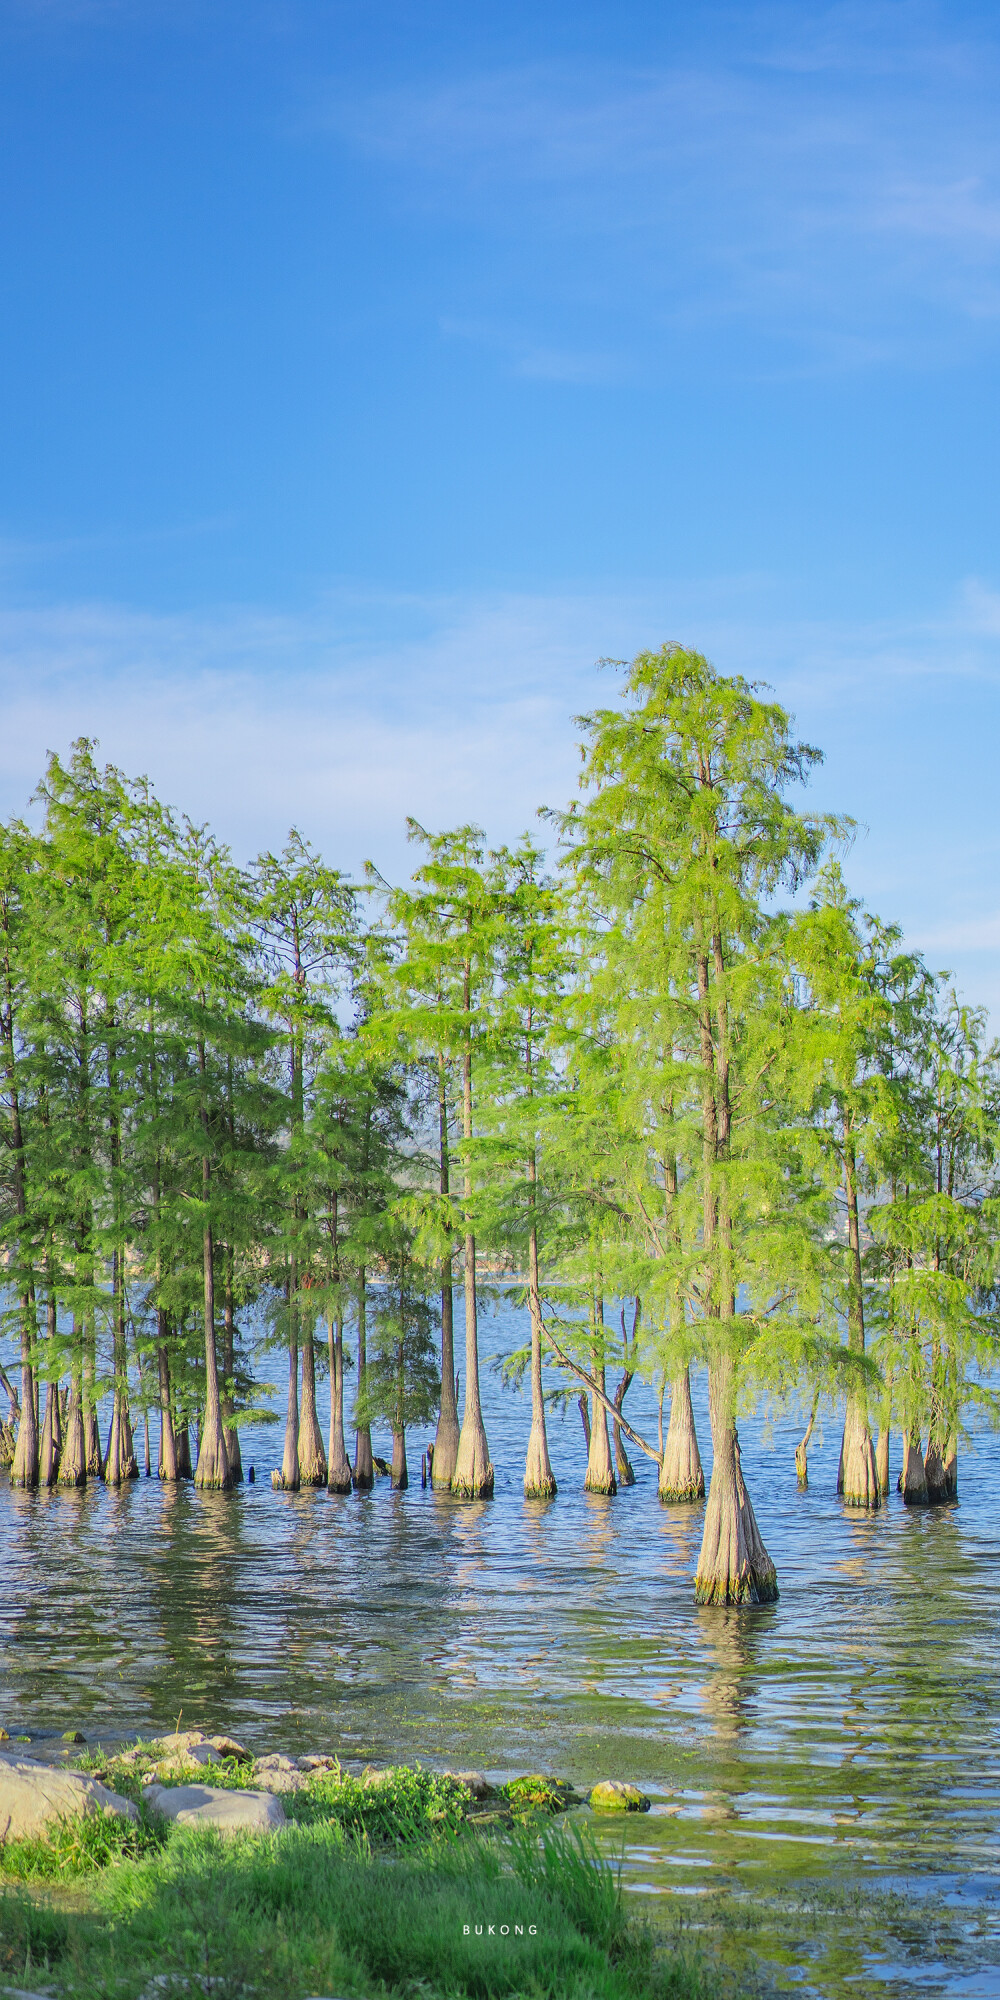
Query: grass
[(323, 1909), (82, 1846)]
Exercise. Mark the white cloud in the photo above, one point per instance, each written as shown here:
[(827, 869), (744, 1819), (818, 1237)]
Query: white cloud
[(839, 187), (370, 707)]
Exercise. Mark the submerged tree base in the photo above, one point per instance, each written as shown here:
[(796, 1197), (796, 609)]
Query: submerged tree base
[(682, 1479), (474, 1476), (444, 1456), (913, 1478), (858, 1484), (213, 1472), (539, 1478), (733, 1566), (754, 1587)]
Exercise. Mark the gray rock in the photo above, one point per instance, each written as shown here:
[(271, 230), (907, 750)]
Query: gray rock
[(280, 1774), (208, 1805), (228, 1747), (33, 1795), (318, 1763)]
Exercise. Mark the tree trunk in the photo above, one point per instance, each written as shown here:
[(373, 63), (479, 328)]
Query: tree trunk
[(882, 1460), (48, 1465), (24, 1471), (445, 1454), (623, 1464), (228, 1372), (733, 1566), (338, 1476), (858, 1474), (681, 1475), (289, 1477), (584, 1408), (913, 1479), (364, 1470), (168, 1467), (473, 1479), (73, 1459), (182, 1442), (859, 1480), (95, 1456), (212, 1470), (312, 1457), (400, 1478), (951, 1469), (935, 1469), (802, 1448), (539, 1479), (600, 1471)]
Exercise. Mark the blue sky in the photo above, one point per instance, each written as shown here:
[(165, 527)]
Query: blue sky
[(369, 371)]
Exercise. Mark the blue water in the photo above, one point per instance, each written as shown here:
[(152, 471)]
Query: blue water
[(848, 1735)]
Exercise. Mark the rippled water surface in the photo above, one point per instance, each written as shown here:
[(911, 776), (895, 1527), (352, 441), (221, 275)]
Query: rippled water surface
[(836, 1754)]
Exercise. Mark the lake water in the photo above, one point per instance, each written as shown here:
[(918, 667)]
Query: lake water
[(836, 1755)]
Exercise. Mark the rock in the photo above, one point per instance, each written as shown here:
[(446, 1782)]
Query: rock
[(228, 1747), (318, 1763), (207, 1805), (611, 1795), (33, 1795), (4, 1736), (73, 1736), (381, 1467), (475, 1784), (280, 1774), (182, 1760)]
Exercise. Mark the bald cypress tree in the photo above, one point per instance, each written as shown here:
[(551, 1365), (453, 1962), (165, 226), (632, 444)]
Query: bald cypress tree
[(684, 829)]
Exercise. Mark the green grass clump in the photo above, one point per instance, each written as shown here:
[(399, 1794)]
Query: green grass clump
[(404, 1806), (32, 1935), (81, 1846), (316, 1910), (528, 1796)]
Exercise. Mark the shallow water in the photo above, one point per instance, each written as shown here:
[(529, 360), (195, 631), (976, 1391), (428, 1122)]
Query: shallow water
[(837, 1754)]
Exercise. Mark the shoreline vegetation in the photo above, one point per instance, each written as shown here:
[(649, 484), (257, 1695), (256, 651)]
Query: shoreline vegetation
[(387, 1882), (266, 1118)]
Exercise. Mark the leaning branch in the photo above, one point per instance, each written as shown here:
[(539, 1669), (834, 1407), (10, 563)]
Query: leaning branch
[(596, 1390), (15, 1402)]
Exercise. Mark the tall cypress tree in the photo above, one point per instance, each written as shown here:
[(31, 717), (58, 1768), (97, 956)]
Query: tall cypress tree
[(684, 815)]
